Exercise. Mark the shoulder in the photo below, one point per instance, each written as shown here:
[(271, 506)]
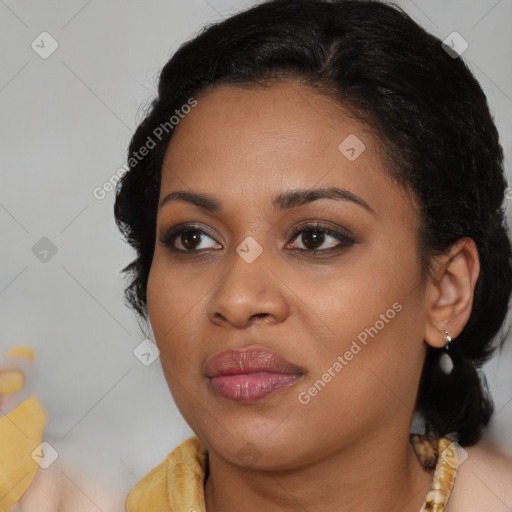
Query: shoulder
[(45, 491), (61, 488), (150, 489), (483, 482), (173, 480)]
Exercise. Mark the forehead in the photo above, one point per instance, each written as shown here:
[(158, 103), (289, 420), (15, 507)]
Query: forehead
[(283, 120), (238, 141)]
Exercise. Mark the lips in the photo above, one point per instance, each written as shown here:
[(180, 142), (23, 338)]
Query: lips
[(251, 374), (235, 362)]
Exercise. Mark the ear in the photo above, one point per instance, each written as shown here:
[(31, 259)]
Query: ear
[(451, 289)]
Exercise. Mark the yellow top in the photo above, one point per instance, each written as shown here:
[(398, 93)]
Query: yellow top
[(177, 483), (21, 433)]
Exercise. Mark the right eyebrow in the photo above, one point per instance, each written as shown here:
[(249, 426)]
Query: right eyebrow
[(284, 201)]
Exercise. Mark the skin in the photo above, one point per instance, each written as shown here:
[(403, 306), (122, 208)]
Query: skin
[(61, 488), (348, 448), (330, 453)]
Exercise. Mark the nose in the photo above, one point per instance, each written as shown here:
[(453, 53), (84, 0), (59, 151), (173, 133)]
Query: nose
[(248, 293)]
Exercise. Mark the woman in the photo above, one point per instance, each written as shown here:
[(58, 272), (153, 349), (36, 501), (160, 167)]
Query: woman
[(316, 203), (323, 257)]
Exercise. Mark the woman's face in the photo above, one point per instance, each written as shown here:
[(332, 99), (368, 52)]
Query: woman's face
[(345, 307)]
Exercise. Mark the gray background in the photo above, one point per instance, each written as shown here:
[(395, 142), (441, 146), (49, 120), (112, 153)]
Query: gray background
[(65, 125)]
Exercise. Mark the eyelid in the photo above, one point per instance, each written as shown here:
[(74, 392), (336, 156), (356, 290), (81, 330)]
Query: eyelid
[(166, 235), (183, 226), (343, 235), (323, 225), (344, 240)]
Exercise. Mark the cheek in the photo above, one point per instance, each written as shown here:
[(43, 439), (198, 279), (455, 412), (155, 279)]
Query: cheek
[(362, 297), (371, 317), (173, 306), (354, 385)]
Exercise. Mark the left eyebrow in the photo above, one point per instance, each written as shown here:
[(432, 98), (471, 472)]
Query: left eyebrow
[(284, 201), (295, 198)]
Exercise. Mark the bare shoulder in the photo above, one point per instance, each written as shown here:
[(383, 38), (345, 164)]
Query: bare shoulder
[(64, 489), (484, 481), (44, 494)]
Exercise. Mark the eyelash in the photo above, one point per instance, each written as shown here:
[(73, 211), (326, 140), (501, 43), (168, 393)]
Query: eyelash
[(345, 242)]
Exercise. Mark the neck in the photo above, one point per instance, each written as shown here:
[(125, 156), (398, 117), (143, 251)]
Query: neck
[(370, 474)]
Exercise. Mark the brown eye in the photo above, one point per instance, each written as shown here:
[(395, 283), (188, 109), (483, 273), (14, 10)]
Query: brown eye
[(314, 237), (187, 239), (190, 239)]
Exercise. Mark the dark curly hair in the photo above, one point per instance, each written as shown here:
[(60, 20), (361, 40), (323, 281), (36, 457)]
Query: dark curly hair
[(439, 140)]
